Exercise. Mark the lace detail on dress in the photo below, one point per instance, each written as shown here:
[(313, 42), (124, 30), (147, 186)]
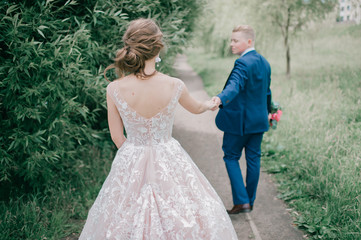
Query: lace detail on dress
[(154, 190)]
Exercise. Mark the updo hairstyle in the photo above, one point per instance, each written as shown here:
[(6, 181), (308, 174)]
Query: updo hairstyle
[(142, 41)]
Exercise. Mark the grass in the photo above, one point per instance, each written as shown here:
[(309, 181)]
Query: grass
[(58, 213), (315, 153)]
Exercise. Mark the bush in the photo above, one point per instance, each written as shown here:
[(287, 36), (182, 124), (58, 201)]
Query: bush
[(51, 102)]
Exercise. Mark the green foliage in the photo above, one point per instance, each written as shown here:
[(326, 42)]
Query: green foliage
[(32, 220), (52, 102), (314, 153), (58, 212), (319, 148)]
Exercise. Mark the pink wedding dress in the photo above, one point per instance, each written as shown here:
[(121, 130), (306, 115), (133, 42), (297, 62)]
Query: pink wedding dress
[(154, 190)]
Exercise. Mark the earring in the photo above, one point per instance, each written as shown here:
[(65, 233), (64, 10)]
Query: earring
[(158, 60)]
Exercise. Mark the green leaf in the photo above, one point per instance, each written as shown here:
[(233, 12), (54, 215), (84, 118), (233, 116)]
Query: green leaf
[(41, 33), (65, 19), (12, 9), (96, 136), (42, 27), (118, 13)]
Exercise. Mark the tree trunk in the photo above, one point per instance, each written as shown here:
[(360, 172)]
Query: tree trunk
[(288, 55), (287, 45), (288, 61)]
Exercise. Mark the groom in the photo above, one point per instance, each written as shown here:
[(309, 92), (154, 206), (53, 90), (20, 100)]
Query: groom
[(243, 116)]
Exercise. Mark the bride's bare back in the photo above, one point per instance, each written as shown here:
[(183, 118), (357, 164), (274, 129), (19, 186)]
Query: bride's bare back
[(147, 97)]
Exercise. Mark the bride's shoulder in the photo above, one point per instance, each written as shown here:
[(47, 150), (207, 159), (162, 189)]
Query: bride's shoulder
[(179, 83), (115, 86), (112, 84), (173, 80), (116, 83)]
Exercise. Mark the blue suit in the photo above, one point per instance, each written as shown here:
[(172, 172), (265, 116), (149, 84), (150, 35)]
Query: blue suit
[(243, 117)]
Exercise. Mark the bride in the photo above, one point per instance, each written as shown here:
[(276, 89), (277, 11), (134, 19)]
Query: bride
[(153, 190)]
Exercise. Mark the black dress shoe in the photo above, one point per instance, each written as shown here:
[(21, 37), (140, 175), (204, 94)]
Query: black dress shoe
[(240, 208)]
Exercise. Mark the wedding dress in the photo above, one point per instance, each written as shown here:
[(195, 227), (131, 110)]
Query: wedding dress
[(154, 190)]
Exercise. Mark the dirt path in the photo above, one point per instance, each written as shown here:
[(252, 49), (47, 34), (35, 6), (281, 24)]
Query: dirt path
[(199, 136)]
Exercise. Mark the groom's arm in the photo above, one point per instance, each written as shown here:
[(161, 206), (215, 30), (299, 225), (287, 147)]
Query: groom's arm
[(236, 82)]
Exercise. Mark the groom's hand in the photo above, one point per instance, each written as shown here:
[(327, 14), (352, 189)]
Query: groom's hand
[(217, 102)]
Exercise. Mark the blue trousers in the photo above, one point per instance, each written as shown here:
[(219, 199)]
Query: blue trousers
[(232, 148)]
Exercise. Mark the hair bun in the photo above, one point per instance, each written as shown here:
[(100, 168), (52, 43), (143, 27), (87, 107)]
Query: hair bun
[(132, 58), (142, 41)]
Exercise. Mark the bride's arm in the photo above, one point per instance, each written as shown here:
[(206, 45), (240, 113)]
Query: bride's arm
[(115, 123), (193, 105)]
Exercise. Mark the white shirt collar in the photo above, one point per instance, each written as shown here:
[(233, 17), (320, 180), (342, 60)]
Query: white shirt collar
[(247, 50)]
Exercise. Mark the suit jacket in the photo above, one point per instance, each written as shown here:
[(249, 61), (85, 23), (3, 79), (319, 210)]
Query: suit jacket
[(246, 97)]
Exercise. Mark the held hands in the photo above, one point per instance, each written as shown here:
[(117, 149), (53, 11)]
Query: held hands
[(217, 101), (210, 105), (213, 104)]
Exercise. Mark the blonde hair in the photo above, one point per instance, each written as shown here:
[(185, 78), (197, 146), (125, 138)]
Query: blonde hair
[(246, 30), (142, 41)]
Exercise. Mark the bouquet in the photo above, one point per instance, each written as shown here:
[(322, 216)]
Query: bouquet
[(276, 114)]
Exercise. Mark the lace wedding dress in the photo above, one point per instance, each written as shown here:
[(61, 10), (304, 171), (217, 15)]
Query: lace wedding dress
[(154, 190)]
